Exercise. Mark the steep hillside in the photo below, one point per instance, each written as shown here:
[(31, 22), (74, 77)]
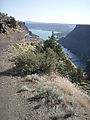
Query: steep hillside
[(78, 41)]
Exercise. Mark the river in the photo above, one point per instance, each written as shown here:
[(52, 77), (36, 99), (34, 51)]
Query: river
[(45, 34)]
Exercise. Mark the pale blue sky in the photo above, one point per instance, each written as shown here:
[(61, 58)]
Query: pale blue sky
[(49, 11)]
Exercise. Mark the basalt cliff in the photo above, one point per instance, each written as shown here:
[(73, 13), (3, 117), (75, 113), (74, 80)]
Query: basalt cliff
[(78, 41)]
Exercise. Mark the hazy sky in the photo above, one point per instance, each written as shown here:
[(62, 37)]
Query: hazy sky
[(50, 11)]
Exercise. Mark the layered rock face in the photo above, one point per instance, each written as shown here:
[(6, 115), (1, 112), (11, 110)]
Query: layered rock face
[(78, 41)]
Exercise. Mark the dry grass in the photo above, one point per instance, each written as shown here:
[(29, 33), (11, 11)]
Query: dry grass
[(33, 78), (66, 86)]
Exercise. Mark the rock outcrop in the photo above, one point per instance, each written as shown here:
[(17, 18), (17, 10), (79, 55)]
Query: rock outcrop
[(12, 30), (78, 41)]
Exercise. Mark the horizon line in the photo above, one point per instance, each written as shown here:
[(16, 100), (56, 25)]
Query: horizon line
[(56, 22)]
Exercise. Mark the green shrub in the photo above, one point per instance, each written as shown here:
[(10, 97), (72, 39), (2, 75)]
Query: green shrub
[(88, 69), (73, 76), (43, 59), (29, 62), (47, 57), (48, 94), (80, 77), (61, 69), (67, 70), (40, 48), (77, 75), (57, 102), (51, 42), (33, 77), (13, 22), (59, 52), (13, 51), (15, 46), (23, 88), (49, 61)]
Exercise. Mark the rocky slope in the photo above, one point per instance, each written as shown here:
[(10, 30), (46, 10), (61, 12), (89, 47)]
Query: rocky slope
[(78, 41), (12, 31)]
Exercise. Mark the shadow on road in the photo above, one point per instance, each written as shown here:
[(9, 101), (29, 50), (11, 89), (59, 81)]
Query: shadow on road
[(10, 72)]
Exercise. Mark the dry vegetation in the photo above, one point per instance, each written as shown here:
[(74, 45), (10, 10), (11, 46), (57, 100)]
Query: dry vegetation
[(53, 97), (37, 84), (50, 96)]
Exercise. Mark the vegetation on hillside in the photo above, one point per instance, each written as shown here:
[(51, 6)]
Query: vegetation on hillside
[(55, 101), (6, 21), (88, 69), (45, 93), (47, 58)]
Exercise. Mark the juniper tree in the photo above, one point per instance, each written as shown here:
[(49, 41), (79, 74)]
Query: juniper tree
[(88, 69)]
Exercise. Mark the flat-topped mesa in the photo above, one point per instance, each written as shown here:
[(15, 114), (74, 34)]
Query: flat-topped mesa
[(78, 41), (83, 29), (83, 26)]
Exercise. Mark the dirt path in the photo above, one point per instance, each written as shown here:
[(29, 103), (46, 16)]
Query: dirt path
[(8, 97), (11, 105)]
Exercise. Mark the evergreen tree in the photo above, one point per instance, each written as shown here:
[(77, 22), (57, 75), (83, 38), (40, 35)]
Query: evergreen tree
[(51, 42), (77, 75), (73, 75), (50, 61), (88, 69), (80, 77), (12, 22)]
